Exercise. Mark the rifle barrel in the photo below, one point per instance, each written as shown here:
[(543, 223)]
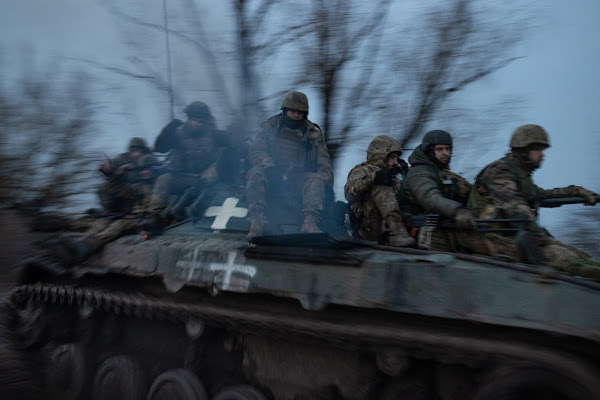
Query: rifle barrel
[(487, 221), (565, 200)]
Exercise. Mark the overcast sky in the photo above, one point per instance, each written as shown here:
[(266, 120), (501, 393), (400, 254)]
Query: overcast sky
[(559, 78)]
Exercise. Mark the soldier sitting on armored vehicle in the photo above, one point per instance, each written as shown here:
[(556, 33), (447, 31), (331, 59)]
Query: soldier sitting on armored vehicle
[(73, 249), (431, 188), (372, 190), (504, 189), (194, 148), (291, 168), (117, 194)]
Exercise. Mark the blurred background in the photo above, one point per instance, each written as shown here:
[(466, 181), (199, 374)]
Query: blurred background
[(79, 78)]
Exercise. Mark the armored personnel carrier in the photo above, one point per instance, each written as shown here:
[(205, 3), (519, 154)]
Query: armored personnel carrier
[(199, 313)]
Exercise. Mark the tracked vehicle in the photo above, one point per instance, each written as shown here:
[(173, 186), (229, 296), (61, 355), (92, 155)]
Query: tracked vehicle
[(199, 313)]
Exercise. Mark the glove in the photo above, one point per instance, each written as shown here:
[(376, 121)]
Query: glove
[(588, 195), (400, 167), (403, 165), (464, 219), (383, 177)]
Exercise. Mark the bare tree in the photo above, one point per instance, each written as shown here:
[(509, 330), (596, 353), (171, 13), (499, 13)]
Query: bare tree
[(343, 35), (461, 42), (371, 73), (395, 76), (258, 39), (253, 43), (45, 124)]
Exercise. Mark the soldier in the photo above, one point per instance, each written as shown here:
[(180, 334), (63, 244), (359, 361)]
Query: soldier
[(372, 190), (116, 194), (289, 154), (105, 230), (194, 147), (431, 187), (504, 189)]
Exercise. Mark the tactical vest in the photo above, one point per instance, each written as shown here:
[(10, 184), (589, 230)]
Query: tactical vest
[(292, 147)]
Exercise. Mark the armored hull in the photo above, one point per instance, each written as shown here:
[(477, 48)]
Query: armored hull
[(199, 313)]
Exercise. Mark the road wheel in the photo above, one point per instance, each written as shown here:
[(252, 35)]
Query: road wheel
[(30, 324), (404, 388), (177, 384), (240, 392), (67, 371), (529, 382), (119, 378)]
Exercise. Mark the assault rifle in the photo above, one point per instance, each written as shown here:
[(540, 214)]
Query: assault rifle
[(158, 169), (161, 169), (565, 200), (483, 225)]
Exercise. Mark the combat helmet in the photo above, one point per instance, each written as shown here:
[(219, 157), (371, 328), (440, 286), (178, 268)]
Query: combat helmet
[(436, 136), (198, 110), (529, 134), (381, 147), (140, 143), (295, 101)]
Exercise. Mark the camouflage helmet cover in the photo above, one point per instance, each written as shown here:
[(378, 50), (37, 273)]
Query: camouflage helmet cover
[(436, 136), (139, 142), (381, 147), (198, 110), (295, 101), (526, 135)]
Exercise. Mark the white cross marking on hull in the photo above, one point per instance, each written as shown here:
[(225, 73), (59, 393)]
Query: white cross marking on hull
[(229, 267), (224, 212), (192, 266)]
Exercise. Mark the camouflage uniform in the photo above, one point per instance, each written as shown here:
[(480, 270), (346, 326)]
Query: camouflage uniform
[(105, 230), (118, 193), (298, 152), (375, 206), (431, 189), (189, 153), (504, 189)]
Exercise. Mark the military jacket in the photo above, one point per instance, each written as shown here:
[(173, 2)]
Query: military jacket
[(358, 188), (189, 153), (128, 176), (303, 148), (504, 189), (364, 200), (429, 189), (117, 162)]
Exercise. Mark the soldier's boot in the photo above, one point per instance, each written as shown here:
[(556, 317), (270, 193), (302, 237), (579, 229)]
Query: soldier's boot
[(258, 221), (310, 224), (399, 236), (178, 210), (166, 215), (158, 211), (193, 211), (584, 267)]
